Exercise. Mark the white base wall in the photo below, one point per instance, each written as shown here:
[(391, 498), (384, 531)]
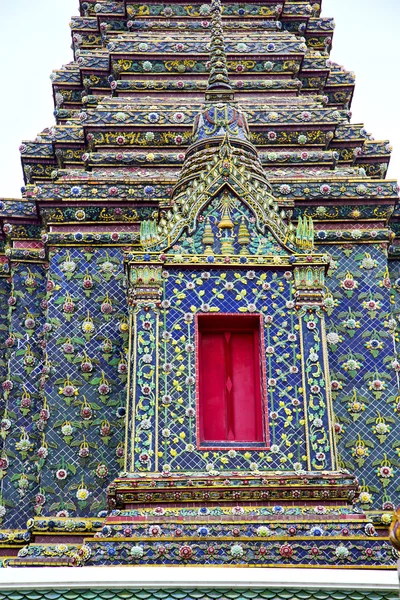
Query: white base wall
[(195, 577)]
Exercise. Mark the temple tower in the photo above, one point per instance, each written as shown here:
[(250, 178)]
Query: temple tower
[(200, 349)]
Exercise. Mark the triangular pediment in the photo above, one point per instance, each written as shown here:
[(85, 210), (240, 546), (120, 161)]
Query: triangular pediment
[(230, 174), (227, 225)]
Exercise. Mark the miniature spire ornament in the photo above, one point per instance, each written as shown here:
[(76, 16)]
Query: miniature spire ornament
[(218, 81)]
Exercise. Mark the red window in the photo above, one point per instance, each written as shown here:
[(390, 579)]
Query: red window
[(230, 375)]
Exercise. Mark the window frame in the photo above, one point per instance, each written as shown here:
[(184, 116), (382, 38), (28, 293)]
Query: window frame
[(226, 444)]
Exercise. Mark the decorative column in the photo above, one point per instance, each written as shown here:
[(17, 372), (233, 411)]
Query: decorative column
[(141, 427), (394, 536), (309, 285)]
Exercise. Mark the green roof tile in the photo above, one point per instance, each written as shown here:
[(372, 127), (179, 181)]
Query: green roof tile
[(196, 594)]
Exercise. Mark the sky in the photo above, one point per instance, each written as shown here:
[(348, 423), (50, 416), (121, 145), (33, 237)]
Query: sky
[(35, 39)]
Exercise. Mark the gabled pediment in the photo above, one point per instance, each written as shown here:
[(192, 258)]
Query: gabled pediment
[(235, 175)]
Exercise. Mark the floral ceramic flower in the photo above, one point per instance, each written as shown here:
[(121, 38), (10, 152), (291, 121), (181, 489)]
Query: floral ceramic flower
[(82, 494), (144, 457), (154, 530), (320, 510), (159, 511), (263, 531), (325, 189), (76, 191), (316, 531), (67, 429), (101, 471), (381, 428), (333, 338), (137, 552), (341, 552), (385, 472), (42, 452), (368, 263), (286, 550), (185, 552), (361, 189), (29, 323), (86, 412), (356, 406), (68, 390), (365, 498), (376, 385), (237, 551), (106, 308), (351, 365), (386, 518), (329, 302), (372, 305), (88, 327), (237, 510)]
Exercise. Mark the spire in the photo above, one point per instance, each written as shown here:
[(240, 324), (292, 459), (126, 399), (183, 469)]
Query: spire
[(219, 86)]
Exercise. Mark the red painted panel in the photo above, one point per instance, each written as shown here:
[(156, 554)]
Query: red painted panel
[(246, 400), (213, 408), (230, 399)]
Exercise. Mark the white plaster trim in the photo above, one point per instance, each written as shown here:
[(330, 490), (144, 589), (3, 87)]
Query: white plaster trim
[(107, 577)]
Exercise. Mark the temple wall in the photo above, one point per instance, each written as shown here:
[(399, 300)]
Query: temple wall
[(83, 439), (364, 374), (85, 393)]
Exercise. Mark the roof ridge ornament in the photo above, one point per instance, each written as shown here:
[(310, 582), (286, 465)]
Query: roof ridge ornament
[(219, 85)]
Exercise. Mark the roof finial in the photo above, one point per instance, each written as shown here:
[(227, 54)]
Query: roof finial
[(218, 81)]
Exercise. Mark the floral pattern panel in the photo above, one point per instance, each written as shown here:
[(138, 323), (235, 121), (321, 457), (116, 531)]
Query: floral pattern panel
[(394, 269), (187, 293), (5, 287), (21, 426), (364, 369), (86, 334)]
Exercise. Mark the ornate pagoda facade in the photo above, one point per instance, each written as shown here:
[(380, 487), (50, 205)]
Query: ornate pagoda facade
[(200, 301)]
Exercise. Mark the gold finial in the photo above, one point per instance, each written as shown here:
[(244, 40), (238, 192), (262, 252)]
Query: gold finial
[(218, 80), (208, 238), (225, 222)]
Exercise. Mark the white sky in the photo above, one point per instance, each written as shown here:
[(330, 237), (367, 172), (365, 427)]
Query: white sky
[(35, 39)]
